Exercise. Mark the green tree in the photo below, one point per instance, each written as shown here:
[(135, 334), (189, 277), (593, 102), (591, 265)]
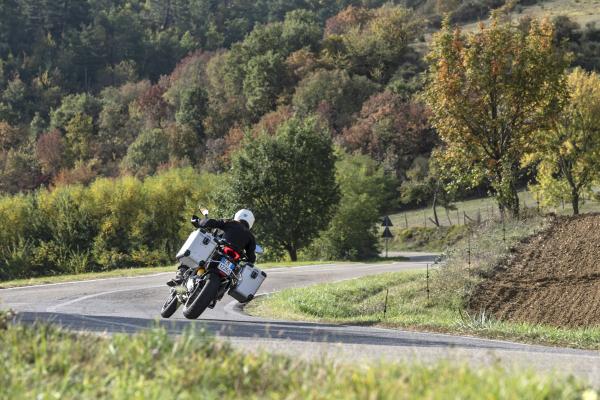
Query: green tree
[(19, 171), (334, 94), (427, 183), (370, 42), (352, 232), (72, 105), (569, 151), (489, 92), (192, 110), (288, 181), (117, 126), (147, 152), (79, 135), (301, 29), (265, 76)]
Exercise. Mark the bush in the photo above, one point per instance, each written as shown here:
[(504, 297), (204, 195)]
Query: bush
[(352, 233), (113, 223)]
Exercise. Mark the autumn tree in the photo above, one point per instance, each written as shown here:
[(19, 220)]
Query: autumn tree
[(427, 183), (489, 92), (569, 151), (391, 130), (370, 42), (334, 94), (50, 152)]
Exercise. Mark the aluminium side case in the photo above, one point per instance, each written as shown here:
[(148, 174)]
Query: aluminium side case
[(251, 279), (198, 248)]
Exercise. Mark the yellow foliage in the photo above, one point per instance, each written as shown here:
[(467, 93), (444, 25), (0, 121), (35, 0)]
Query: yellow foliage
[(490, 91), (569, 150)]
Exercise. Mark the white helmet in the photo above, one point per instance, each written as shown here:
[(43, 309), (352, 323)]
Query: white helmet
[(245, 215)]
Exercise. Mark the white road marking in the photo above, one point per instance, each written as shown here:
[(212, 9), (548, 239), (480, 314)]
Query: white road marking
[(84, 281), (91, 296), (272, 270)]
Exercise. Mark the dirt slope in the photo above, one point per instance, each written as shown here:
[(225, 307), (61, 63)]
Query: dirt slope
[(553, 278)]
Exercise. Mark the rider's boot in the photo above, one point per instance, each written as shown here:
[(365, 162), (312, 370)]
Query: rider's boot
[(178, 279)]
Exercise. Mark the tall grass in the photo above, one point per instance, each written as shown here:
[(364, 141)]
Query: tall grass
[(42, 362), (483, 247)]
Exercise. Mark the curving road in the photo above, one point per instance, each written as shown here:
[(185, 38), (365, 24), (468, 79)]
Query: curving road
[(133, 304)]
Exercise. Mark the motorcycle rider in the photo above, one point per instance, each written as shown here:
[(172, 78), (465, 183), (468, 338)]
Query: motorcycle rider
[(236, 232)]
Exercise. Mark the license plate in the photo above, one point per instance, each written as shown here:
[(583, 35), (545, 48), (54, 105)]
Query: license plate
[(225, 266)]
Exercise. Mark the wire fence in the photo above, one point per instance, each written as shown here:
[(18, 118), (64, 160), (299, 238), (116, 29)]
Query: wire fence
[(481, 210)]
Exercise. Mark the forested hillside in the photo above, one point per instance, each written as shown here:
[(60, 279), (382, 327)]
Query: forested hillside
[(99, 88)]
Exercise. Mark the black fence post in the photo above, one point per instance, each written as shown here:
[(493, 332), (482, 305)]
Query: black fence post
[(427, 283), (385, 304)]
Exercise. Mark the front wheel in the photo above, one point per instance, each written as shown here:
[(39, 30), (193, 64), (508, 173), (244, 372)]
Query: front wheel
[(170, 305), (198, 302)]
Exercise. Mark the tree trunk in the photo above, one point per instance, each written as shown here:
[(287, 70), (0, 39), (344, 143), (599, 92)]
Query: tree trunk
[(448, 216), (506, 190), (514, 202), (293, 253), (436, 220), (575, 201)]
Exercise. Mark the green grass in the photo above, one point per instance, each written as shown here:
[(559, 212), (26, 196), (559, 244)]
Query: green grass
[(485, 207), (413, 230), (43, 362), (361, 301), (427, 239), (126, 272), (581, 11)]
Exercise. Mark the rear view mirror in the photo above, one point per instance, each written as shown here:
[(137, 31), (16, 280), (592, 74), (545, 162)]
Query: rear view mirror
[(259, 249)]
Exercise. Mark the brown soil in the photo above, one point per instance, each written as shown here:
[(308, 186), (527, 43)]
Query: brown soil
[(553, 278)]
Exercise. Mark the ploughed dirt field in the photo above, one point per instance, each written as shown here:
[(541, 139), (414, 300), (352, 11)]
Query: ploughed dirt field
[(553, 278)]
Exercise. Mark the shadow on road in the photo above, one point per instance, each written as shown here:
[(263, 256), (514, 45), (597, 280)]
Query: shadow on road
[(296, 331)]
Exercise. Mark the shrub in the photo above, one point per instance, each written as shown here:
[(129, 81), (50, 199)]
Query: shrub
[(113, 223), (352, 233)]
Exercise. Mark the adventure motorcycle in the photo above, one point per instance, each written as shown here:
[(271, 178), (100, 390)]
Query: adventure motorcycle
[(213, 268)]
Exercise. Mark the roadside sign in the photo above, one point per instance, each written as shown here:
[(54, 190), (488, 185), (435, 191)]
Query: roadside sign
[(387, 233), (387, 221)]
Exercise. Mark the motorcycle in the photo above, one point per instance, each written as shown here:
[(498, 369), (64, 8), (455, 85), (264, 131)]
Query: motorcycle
[(213, 269)]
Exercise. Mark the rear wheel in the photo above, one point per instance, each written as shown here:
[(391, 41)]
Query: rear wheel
[(202, 296), (170, 305)]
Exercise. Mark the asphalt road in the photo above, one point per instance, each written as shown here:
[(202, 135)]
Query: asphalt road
[(132, 304)]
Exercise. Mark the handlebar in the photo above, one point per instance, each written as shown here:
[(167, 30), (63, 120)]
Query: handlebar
[(195, 221)]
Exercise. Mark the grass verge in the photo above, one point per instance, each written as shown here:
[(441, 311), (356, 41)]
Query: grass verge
[(45, 362), (484, 208), (428, 239), (128, 272), (362, 301)]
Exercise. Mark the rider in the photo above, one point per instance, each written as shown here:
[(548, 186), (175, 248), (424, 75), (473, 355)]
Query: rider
[(237, 234)]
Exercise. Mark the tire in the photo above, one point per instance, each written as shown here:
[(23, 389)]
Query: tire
[(170, 306), (198, 302)]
